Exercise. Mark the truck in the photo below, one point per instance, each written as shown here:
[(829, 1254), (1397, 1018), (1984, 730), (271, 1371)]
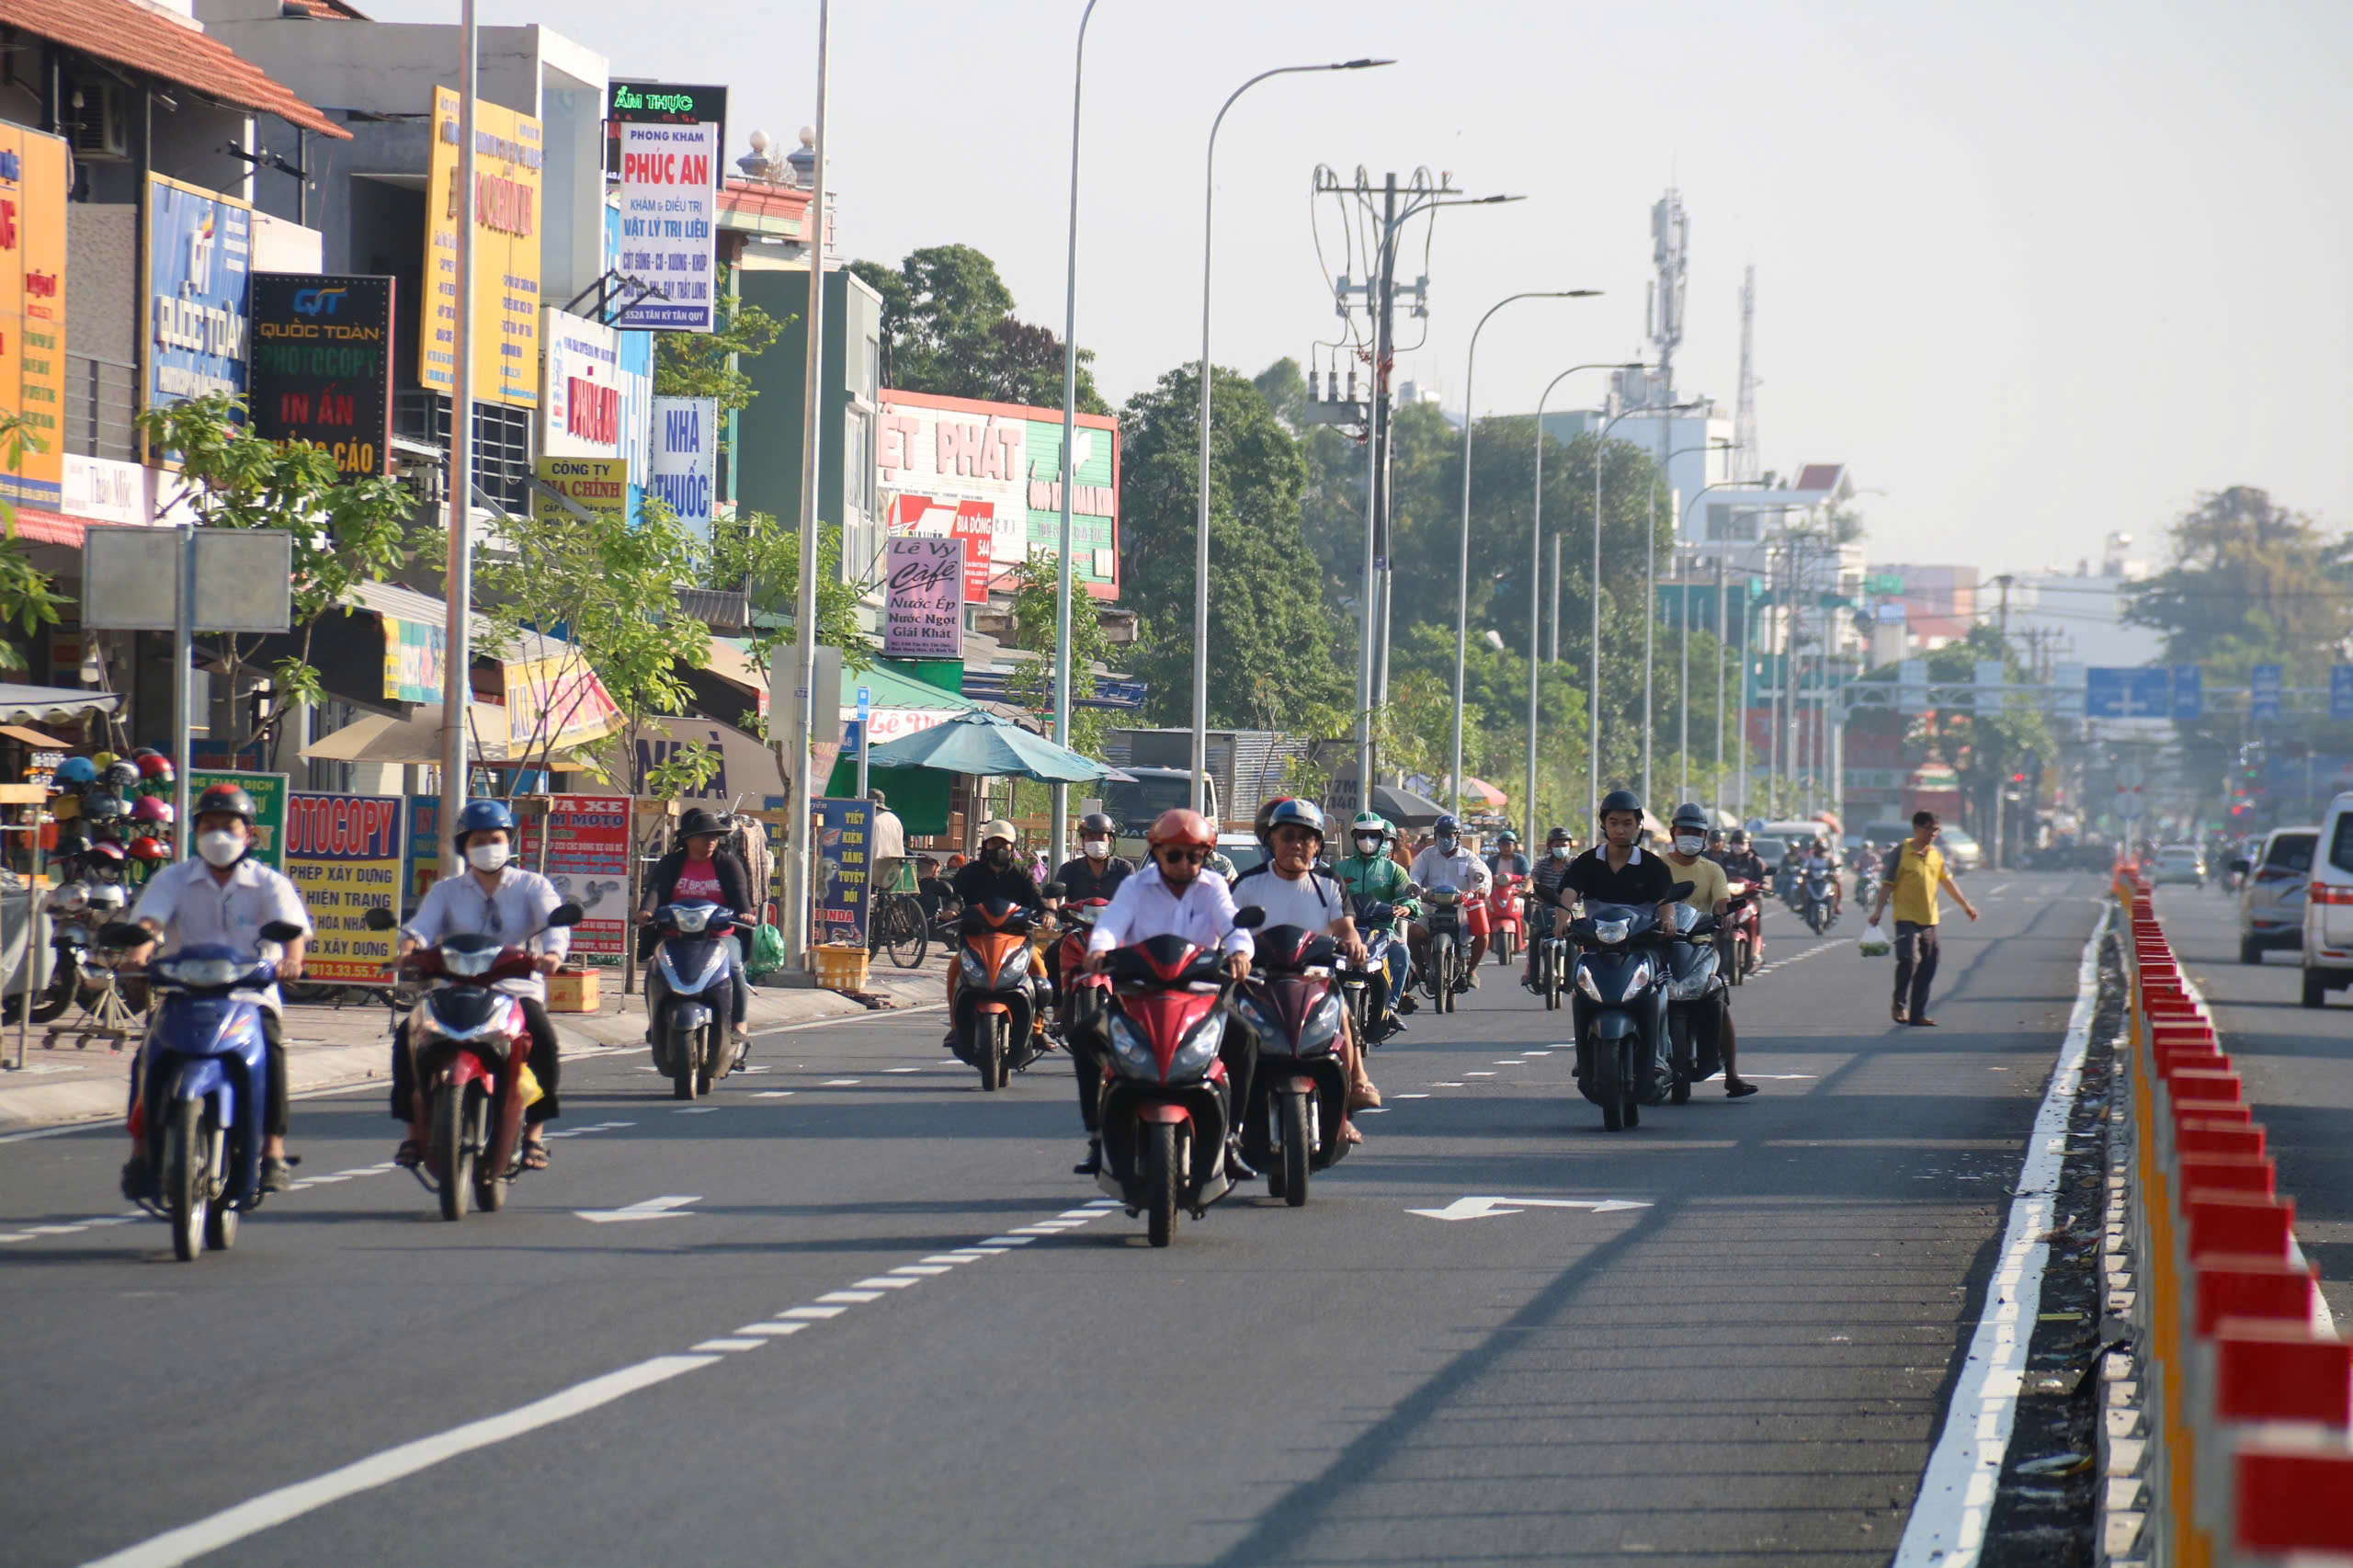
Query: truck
[(1244, 768)]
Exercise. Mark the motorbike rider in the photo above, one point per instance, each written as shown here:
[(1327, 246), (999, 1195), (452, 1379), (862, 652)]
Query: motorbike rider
[(495, 897), (1507, 861), (1709, 895), (1095, 872), (1616, 870), (1170, 897), (1446, 863), (997, 873), (1820, 857), (1369, 872), (1545, 890), (1220, 861), (697, 872), (1742, 864), (223, 896), (1294, 890)]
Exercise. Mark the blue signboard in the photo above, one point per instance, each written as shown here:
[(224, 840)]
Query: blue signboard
[(199, 261), (842, 831), (2263, 692), (2340, 691), (2125, 693), (2188, 692)]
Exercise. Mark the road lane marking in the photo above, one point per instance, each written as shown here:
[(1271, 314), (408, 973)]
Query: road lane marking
[(837, 1082), (1489, 1208), (726, 1344), (666, 1208), (923, 1270), (815, 1314), (771, 1330), (884, 1282), (772, 1094), (1409, 1096), (1946, 1528)]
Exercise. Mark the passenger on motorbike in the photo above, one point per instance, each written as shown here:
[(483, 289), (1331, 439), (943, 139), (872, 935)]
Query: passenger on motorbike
[(1507, 861), (223, 896), (1544, 888), (998, 873), (1448, 864), (1369, 872), (494, 897), (1709, 895)]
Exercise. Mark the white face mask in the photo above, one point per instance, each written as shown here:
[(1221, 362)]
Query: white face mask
[(489, 856), (220, 849), (1690, 844), (1368, 845), (1559, 851), (1096, 848)]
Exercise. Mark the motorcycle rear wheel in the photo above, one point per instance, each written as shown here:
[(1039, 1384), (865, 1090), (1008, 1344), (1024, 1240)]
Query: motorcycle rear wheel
[(1609, 1085), (1298, 1149), (988, 1050), (684, 1060), (1161, 1183), (453, 1159), (185, 1172)]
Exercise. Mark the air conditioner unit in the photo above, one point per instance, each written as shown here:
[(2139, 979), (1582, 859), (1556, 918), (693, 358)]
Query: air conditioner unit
[(98, 118)]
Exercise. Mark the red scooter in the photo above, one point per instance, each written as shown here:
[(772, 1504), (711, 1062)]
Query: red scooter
[(1507, 927), (1165, 1105), (471, 1052), (1078, 1012), (1299, 1095), (1741, 933)]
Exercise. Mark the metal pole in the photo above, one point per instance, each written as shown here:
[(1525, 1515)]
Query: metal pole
[(456, 682), (184, 689), (798, 850), (1723, 642), (1369, 613), (1536, 587), (1556, 599), (1650, 612), (1683, 685), (1063, 585)]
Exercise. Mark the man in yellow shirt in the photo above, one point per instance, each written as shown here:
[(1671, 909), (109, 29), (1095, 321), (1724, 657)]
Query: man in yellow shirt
[(1915, 874)]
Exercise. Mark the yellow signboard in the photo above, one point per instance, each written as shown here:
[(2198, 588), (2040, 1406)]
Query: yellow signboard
[(592, 484), (505, 214), (32, 312)]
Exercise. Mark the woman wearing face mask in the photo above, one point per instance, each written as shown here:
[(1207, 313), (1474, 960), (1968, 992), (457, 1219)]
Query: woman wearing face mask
[(1711, 894), (494, 897), (1094, 871), (998, 873), (699, 871)]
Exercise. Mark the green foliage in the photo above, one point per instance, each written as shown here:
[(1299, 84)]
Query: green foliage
[(703, 364), (1984, 749), (1035, 594), (344, 532), (949, 329), (684, 772), (763, 555), (1285, 390), (27, 601)]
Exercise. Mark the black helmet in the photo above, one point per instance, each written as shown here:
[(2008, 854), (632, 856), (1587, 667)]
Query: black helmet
[(1559, 836), (695, 822), (1690, 813), (1096, 823), (1738, 839), (1620, 800), (104, 806), (225, 798), (1297, 813), (121, 774)]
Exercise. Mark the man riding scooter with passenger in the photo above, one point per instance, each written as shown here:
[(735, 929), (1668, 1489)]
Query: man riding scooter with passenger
[(1370, 872)]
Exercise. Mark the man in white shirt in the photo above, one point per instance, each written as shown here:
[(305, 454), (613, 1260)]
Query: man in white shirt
[(1450, 863), (888, 848), (225, 897)]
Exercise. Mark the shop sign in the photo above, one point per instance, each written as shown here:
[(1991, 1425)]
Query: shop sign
[(505, 213), (592, 484), (669, 235), (415, 655), (587, 839), (586, 408), (344, 853), (552, 703), (943, 459), (101, 490), (199, 261), (323, 365), (269, 792), (686, 458), (923, 616), (842, 831), (32, 312), (747, 764), (659, 103)]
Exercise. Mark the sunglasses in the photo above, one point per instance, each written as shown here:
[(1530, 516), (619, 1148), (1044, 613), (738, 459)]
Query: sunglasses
[(1192, 857)]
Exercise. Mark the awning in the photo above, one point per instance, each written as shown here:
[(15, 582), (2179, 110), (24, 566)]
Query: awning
[(748, 767), (49, 527), (404, 743), (146, 39), (52, 704)]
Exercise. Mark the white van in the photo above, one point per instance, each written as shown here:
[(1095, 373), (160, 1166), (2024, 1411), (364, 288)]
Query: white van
[(2328, 907)]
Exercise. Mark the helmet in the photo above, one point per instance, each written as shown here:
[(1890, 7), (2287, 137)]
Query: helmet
[(1370, 822), (66, 807), (78, 770), (149, 849), (1737, 838), (1181, 826), (1505, 837), (102, 760), (105, 852), (1690, 813), (148, 808), (70, 841), (1447, 828), (157, 766), (105, 805), (1296, 813), (223, 800), (694, 822), (119, 774), (1559, 836), (71, 897), (1715, 835), (1095, 824), (1265, 817), (997, 827), (1620, 800), (108, 895), (475, 816)]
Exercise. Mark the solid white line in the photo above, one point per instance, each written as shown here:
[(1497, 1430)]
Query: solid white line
[(273, 1508), (1947, 1528)]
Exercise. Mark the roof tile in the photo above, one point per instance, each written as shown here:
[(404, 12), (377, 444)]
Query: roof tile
[(140, 38)]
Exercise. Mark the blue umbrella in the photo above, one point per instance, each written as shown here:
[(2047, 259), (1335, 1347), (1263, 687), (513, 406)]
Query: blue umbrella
[(978, 741)]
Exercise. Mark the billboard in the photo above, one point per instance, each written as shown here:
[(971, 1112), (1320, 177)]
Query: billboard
[(415, 655), (659, 103), (269, 792), (587, 859), (685, 458), (584, 411), (200, 260), (32, 312), (344, 852), (670, 237), (923, 614), (323, 365), (943, 459), (505, 213), (592, 484), (840, 830)]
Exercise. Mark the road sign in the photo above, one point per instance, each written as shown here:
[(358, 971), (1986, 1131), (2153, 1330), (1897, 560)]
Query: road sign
[(2340, 691), (2114, 692), (1911, 685), (2263, 692), (2188, 692), (865, 703)]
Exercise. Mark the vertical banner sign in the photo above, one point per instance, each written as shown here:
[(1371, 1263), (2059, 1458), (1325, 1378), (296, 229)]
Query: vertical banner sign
[(415, 652), (2189, 693), (268, 791), (32, 312), (2263, 687), (975, 525), (505, 212), (684, 463), (423, 848), (588, 862), (323, 365), (841, 831), (668, 238), (199, 259), (586, 409), (923, 616), (344, 853)]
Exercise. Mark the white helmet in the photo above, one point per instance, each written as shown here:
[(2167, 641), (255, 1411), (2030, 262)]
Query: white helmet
[(70, 898), (108, 895)]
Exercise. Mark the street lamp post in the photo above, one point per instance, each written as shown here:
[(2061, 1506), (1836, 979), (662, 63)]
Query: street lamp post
[(1462, 579), (1060, 809), (1202, 539), (1536, 585)]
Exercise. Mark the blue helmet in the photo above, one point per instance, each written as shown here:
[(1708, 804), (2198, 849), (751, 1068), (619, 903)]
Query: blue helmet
[(78, 770), (482, 817), (1447, 828)]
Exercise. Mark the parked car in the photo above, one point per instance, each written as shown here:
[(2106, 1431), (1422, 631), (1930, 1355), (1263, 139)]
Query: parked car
[(1961, 850), (2328, 907), (2179, 863), (2271, 901)]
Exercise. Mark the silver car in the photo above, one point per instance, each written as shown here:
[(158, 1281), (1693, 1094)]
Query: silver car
[(2179, 863), (2271, 901)]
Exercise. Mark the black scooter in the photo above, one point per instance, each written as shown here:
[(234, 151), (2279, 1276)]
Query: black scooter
[(1619, 1008)]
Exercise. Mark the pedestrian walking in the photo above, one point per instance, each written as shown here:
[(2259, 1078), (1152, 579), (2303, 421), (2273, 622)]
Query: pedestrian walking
[(1915, 874)]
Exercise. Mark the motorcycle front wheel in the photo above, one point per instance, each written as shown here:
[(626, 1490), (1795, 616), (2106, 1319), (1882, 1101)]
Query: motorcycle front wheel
[(1298, 1149), (452, 1155), (988, 1050), (685, 1060), (1162, 1182), (1609, 1086), (186, 1192)]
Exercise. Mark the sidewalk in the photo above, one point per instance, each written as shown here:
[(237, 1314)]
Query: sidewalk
[(330, 1047)]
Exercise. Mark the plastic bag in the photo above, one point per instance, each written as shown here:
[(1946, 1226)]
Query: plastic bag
[(767, 951), (1875, 944)]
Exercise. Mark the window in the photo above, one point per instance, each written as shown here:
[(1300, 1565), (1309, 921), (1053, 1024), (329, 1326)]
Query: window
[(870, 381), (2340, 846), (2291, 851), (862, 536)]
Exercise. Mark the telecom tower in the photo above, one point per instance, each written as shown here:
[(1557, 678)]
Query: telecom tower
[(1744, 463), (1670, 240)]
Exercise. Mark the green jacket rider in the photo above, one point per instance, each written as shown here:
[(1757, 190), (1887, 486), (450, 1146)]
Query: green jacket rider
[(1369, 872)]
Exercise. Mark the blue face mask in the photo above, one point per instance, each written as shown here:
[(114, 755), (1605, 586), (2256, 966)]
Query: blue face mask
[(1559, 851)]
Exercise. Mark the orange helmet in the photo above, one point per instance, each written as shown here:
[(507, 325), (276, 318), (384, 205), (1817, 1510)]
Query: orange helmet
[(1181, 826)]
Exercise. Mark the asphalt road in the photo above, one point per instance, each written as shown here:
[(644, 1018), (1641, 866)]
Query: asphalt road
[(2297, 1065), (1749, 1369)]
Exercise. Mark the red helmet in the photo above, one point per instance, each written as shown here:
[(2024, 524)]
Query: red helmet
[(155, 766), (149, 849), (1184, 827), (149, 808), (106, 850)]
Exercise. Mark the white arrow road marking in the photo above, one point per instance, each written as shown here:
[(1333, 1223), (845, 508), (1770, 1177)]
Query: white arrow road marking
[(1481, 1208), (652, 1208)]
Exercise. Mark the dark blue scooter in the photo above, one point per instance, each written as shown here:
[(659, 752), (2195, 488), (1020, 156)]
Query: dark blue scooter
[(203, 1088)]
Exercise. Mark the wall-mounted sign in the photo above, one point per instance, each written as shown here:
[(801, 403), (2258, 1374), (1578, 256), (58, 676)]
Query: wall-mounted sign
[(659, 103), (323, 365), (670, 237), (923, 616), (32, 312), (344, 853), (505, 210), (414, 654), (586, 408), (200, 260), (592, 484), (686, 458)]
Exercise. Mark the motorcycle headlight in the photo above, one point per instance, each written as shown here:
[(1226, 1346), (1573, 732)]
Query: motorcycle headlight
[(1323, 1024), (1193, 1057), (975, 973), (1131, 1050), (1611, 931), (1635, 981), (1015, 964), (468, 965), (1256, 1016), (690, 918), (1585, 984), (1689, 990), (200, 972)]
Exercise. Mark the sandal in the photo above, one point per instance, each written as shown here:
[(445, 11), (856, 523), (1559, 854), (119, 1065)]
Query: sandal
[(410, 1155), (1348, 1134), (535, 1157), (1362, 1096)]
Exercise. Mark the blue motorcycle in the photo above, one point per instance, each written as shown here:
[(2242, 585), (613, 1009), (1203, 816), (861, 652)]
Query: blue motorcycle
[(202, 1090), (1371, 990)]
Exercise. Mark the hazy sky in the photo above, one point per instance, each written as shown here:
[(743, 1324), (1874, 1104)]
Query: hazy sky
[(2040, 272)]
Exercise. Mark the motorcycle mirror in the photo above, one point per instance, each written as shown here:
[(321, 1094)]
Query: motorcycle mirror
[(1413, 890), (566, 915), (380, 920), (1249, 917), (2242, 866), (281, 931)]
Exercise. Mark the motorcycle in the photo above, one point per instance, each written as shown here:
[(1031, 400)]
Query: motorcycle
[(1078, 1013), (997, 1001), (1506, 931), (1867, 878), (1165, 1105), (1740, 932), (1300, 1093), (1814, 890), (471, 1050), (693, 1045), (1621, 1010), (1695, 1003), (1366, 989), (203, 1090), (1443, 914), (1552, 957)]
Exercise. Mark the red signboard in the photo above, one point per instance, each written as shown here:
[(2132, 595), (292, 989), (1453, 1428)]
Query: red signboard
[(588, 862)]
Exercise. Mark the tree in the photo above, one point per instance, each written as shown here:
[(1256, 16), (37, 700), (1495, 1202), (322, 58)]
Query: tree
[(949, 330), (1984, 749), (1272, 664), (764, 556), (1035, 596), (703, 364), (344, 532), (1285, 390), (27, 601)]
